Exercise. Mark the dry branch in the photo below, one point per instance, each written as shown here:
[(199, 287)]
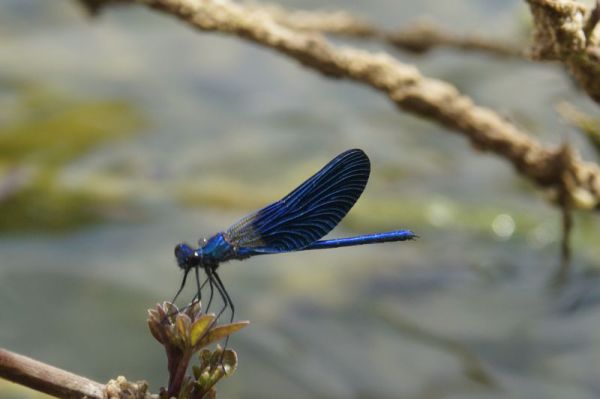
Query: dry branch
[(405, 86), (566, 31), (62, 384), (48, 379), (418, 37)]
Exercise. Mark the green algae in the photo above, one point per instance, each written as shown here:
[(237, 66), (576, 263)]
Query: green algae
[(42, 132)]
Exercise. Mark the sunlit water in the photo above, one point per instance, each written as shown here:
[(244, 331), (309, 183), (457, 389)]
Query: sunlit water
[(463, 312)]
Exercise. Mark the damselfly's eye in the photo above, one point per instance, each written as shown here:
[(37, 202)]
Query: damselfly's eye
[(183, 254)]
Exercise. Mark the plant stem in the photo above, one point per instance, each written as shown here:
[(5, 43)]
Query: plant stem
[(176, 378)]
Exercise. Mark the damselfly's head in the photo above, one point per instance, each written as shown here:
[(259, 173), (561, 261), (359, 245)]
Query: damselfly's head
[(187, 257)]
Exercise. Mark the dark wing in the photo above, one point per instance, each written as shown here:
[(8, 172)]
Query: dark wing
[(307, 213)]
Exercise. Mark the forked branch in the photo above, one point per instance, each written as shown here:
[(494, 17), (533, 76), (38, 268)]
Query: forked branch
[(429, 98)]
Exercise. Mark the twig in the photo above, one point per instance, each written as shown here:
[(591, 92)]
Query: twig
[(48, 379), (565, 245), (94, 7), (418, 37), (421, 37), (406, 87), (588, 125), (593, 19), (565, 200), (472, 366)]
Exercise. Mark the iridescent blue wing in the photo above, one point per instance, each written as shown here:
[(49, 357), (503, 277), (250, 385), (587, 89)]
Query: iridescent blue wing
[(307, 213)]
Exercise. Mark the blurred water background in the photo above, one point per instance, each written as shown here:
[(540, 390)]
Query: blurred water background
[(124, 135)]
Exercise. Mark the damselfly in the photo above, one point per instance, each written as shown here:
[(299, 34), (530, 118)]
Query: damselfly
[(295, 223)]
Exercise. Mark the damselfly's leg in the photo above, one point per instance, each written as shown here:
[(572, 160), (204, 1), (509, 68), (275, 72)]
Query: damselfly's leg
[(198, 295), (228, 302), (226, 297), (212, 276), (198, 287), (214, 280), (185, 274), (211, 285)]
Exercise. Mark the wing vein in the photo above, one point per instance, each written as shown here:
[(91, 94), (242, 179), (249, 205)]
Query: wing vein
[(307, 213)]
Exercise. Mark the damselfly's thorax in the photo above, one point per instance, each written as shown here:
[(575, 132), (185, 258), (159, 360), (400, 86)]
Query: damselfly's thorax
[(210, 253), (217, 249)]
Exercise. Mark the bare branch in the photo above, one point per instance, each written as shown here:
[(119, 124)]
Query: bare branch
[(63, 384), (48, 379), (564, 30), (419, 37), (588, 125), (406, 87)]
